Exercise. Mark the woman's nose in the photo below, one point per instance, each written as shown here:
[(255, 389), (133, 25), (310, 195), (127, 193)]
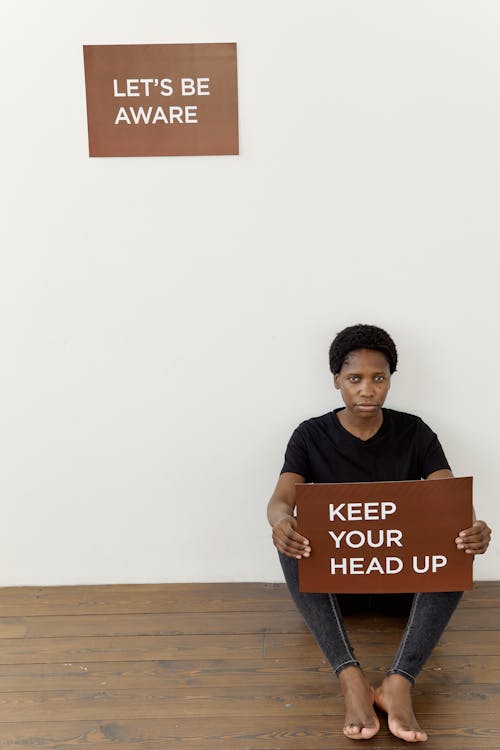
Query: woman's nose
[(367, 389)]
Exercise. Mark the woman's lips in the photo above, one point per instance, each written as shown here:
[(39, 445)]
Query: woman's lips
[(368, 407)]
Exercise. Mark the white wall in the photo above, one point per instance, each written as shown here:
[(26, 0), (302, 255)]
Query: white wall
[(165, 322)]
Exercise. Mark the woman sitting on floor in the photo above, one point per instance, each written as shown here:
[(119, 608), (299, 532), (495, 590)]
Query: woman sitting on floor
[(364, 442)]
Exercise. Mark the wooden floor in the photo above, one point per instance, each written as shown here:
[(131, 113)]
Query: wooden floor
[(220, 667)]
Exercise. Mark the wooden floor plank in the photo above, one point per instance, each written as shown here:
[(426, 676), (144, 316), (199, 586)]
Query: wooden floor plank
[(133, 648), (453, 642), (144, 598), (273, 646), (27, 601), (218, 672), (240, 733), (253, 699), (211, 623)]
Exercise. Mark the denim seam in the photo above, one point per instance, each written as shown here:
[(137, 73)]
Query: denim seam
[(399, 654), (349, 661), (397, 670), (341, 629)]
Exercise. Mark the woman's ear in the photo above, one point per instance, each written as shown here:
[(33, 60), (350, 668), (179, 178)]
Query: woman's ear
[(336, 381)]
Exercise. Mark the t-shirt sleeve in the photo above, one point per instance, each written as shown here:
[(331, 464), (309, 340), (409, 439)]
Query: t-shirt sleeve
[(296, 454), (431, 451)]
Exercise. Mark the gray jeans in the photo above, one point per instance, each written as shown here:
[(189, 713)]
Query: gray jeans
[(428, 616)]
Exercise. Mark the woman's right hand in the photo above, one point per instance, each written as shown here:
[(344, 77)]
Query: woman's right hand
[(288, 541)]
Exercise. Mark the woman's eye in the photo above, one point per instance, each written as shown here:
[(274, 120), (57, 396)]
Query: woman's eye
[(380, 378)]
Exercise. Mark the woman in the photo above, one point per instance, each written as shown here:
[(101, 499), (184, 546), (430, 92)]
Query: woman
[(363, 442)]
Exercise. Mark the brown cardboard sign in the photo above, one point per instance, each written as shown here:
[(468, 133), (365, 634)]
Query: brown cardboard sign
[(161, 99), (385, 537)]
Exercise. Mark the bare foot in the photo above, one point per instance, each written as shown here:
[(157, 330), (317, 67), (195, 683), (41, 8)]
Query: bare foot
[(361, 721), (394, 697)]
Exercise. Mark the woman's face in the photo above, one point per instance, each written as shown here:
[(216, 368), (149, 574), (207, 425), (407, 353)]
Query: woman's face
[(364, 381)]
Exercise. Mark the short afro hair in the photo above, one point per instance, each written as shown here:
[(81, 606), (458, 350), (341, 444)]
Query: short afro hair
[(362, 336)]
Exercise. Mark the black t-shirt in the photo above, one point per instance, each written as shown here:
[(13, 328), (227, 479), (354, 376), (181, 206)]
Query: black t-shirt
[(322, 450)]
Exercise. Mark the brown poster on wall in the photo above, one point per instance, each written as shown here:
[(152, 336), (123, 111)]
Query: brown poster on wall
[(161, 99), (385, 537)]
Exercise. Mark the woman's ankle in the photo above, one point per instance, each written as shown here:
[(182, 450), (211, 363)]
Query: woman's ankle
[(352, 675), (399, 682)]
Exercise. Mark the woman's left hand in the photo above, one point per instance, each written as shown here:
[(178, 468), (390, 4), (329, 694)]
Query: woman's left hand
[(475, 540)]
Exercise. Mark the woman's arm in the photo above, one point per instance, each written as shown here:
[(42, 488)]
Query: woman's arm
[(476, 539), (280, 515)]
